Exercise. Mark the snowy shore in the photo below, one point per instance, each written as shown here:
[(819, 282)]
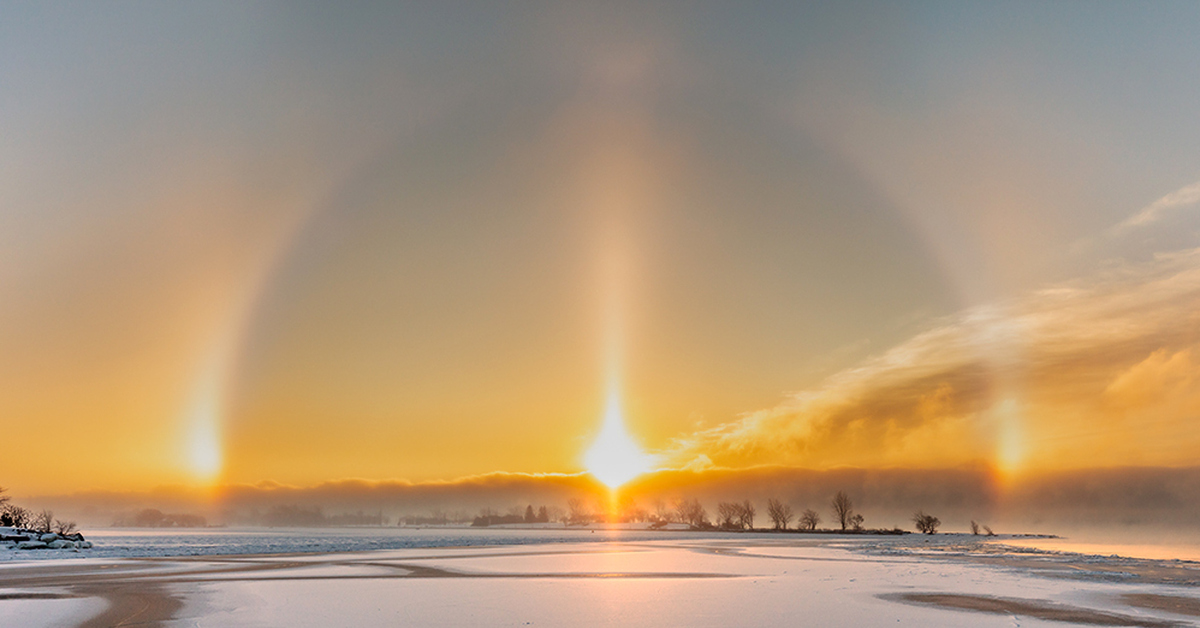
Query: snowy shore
[(23, 540), (694, 580), (156, 543)]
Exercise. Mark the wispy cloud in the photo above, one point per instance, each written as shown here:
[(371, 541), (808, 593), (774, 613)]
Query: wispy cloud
[(1184, 196), (1056, 379)]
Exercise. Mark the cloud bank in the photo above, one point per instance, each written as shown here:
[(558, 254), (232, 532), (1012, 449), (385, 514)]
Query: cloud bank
[(1126, 499), (1093, 373)]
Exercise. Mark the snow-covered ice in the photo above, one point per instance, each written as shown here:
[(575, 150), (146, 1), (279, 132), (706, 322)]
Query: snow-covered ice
[(35, 609), (147, 543), (629, 580)]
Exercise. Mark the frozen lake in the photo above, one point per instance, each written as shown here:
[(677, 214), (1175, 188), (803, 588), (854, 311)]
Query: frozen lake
[(144, 543), (496, 577)]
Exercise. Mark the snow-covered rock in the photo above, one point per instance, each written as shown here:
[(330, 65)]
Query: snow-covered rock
[(22, 539)]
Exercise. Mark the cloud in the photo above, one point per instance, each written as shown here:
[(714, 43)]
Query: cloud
[(1097, 372), (1187, 195), (1162, 375)]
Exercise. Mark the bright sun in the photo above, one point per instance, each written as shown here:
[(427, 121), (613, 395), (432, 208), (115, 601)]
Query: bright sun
[(203, 444), (614, 458)]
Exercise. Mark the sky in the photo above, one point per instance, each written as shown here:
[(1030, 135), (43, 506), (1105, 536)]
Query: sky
[(299, 243)]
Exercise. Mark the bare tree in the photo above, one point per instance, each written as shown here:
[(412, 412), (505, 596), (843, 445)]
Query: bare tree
[(629, 510), (63, 527), (856, 522), (843, 508), (979, 528), (780, 513), (579, 511), (725, 514), (15, 516), (735, 516), (691, 513), (6, 518), (809, 520), (926, 523), (728, 515), (746, 514), (679, 505), (662, 513), (43, 521)]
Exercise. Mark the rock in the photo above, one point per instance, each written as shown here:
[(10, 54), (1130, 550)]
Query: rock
[(61, 544), (48, 537), (31, 545)]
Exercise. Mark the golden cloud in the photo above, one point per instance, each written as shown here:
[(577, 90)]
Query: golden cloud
[(1096, 372)]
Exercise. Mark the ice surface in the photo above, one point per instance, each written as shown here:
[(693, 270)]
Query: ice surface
[(145, 543), (39, 608), (1160, 551), (664, 580), (652, 584)]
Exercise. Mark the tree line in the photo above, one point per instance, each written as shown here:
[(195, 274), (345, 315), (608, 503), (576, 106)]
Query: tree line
[(154, 518), (488, 517), (14, 516), (740, 516), (730, 515)]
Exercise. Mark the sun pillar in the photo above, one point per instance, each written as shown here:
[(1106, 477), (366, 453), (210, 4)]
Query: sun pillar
[(202, 423), (614, 457)]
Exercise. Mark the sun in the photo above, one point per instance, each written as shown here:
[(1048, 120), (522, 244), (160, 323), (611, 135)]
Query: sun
[(202, 445), (614, 457), (204, 451)]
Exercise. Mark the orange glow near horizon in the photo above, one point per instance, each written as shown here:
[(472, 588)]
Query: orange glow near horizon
[(614, 457), (592, 242), (202, 424), (1010, 447)]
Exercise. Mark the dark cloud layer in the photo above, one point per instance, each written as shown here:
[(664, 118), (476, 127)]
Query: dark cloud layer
[(1135, 498)]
